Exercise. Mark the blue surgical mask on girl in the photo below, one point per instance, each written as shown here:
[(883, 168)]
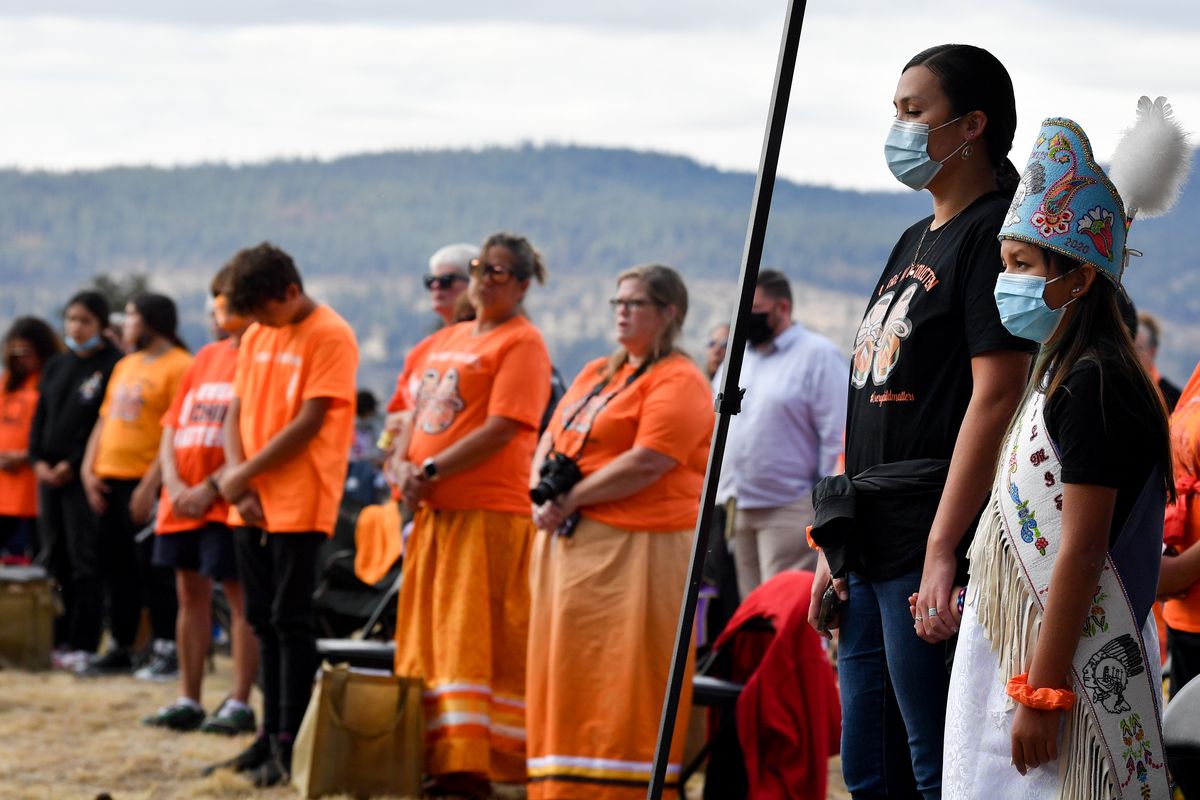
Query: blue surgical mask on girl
[(1023, 310), (907, 152), (83, 347)]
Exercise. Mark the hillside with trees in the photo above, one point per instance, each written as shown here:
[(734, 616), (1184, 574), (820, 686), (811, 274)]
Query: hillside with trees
[(361, 228)]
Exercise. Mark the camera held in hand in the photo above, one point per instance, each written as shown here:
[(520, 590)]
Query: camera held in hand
[(559, 473)]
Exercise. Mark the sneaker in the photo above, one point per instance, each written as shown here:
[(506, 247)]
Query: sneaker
[(70, 660), (116, 661), (163, 665), (179, 716), (253, 757), (275, 770), (230, 719)]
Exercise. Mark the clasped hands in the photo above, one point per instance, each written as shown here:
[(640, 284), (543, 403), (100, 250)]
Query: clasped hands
[(550, 515), (234, 485)]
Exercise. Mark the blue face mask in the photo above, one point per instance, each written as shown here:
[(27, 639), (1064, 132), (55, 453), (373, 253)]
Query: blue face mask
[(83, 347), (907, 152), (1023, 309)]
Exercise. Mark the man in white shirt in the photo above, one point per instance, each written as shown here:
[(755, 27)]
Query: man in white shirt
[(788, 435)]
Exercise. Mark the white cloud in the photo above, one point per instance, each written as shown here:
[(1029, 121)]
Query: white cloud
[(88, 92)]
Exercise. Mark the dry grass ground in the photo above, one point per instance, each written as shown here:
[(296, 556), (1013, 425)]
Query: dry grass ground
[(63, 738)]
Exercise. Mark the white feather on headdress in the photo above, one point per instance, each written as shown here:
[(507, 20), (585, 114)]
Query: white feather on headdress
[(1151, 161)]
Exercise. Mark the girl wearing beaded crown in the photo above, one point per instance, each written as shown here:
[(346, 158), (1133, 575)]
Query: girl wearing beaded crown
[(1056, 689)]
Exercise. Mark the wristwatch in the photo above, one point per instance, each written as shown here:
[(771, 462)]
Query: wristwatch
[(429, 469)]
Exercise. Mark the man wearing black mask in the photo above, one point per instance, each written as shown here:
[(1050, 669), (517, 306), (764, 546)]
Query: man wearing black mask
[(788, 436)]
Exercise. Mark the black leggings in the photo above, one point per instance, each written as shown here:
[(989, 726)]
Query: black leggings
[(132, 581), (278, 572), (69, 549)]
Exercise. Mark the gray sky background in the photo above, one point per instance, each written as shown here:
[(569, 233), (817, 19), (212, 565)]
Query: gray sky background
[(87, 84)]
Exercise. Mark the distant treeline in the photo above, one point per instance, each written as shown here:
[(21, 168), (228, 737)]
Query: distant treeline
[(592, 211)]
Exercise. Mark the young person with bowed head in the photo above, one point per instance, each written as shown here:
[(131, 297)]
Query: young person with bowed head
[(934, 379)]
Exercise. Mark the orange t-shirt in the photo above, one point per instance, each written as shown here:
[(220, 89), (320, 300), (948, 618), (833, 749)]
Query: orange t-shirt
[(277, 370), (18, 489), (410, 377), (198, 417), (139, 392), (464, 379), (1183, 614), (669, 410)]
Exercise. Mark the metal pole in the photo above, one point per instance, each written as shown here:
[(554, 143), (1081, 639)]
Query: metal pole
[(729, 400)]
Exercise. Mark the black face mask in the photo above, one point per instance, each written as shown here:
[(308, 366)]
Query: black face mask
[(758, 330)]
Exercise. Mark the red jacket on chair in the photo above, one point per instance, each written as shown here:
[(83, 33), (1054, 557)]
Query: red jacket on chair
[(789, 715)]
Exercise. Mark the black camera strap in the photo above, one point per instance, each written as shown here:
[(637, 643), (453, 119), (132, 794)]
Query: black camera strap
[(596, 390)]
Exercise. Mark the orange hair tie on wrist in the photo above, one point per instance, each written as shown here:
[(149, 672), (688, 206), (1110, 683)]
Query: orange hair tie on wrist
[(1041, 699)]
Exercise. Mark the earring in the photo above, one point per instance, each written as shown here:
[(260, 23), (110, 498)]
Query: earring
[(966, 152), (1075, 290)]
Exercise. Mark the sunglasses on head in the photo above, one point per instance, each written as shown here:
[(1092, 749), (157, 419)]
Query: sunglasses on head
[(496, 272), (441, 281)]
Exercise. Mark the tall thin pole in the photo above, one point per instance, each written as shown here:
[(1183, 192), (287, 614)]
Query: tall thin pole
[(729, 400)]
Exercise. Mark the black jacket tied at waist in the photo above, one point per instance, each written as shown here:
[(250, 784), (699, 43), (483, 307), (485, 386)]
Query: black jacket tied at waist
[(834, 498)]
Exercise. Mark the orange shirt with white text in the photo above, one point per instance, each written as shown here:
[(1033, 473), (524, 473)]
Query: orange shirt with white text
[(198, 418), (277, 370)]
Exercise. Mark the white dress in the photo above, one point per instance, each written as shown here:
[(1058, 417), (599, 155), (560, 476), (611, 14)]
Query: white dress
[(977, 761)]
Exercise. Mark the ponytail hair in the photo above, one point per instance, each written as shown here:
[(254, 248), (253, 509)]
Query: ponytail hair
[(159, 315), (974, 80)]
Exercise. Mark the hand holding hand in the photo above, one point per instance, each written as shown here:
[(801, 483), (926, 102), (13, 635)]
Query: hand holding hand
[(935, 616), (194, 501)]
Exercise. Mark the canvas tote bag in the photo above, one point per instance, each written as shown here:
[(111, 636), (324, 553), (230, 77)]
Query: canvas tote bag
[(363, 734)]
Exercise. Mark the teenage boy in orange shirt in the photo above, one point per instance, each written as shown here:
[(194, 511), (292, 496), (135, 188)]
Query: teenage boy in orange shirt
[(287, 443)]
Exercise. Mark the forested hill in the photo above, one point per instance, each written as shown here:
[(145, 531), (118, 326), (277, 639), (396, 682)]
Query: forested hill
[(374, 220)]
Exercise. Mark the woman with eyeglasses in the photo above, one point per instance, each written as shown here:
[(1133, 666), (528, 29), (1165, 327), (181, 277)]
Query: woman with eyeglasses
[(616, 484), (479, 391)]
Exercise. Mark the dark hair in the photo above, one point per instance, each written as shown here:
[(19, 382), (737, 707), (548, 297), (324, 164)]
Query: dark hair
[(40, 336), (1097, 325), (529, 260), (222, 282), (975, 80), (774, 284), (365, 403), (260, 274), (159, 315), (94, 302)]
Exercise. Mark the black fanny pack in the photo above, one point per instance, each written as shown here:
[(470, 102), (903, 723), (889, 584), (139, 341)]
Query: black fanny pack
[(835, 498)]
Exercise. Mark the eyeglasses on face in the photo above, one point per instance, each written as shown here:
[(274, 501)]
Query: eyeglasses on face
[(717, 343), (442, 281), (495, 272), (630, 303)]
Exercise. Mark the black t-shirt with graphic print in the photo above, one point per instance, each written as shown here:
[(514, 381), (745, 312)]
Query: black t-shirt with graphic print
[(910, 373)]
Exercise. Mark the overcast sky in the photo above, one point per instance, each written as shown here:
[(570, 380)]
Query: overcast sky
[(88, 84)]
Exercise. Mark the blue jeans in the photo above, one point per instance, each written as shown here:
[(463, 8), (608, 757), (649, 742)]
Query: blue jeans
[(894, 688)]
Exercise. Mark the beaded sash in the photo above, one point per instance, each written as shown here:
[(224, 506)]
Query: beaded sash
[(1112, 744)]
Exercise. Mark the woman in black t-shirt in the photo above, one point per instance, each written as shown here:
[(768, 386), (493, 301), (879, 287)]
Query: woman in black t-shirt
[(931, 361)]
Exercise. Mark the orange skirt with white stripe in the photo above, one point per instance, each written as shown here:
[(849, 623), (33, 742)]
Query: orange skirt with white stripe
[(602, 631), (462, 625)]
